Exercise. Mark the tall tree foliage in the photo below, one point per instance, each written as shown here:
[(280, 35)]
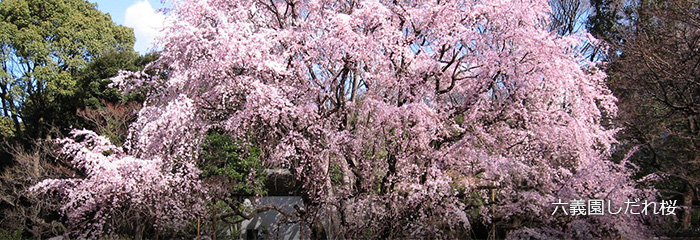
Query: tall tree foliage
[(438, 116), (603, 22), (94, 80), (98, 105), (656, 76), (43, 45)]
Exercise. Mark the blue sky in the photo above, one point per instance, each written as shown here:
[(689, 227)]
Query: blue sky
[(141, 15)]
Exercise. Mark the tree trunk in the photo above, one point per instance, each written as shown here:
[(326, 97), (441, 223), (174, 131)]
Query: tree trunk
[(140, 227), (688, 204)]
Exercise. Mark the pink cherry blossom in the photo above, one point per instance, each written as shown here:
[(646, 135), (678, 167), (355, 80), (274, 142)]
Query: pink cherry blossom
[(439, 114)]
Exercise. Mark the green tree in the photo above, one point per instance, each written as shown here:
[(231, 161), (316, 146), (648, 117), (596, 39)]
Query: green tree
[(602, 22), (234, 170), (94, 80), (44, 44), (103, 108), (232, 163)]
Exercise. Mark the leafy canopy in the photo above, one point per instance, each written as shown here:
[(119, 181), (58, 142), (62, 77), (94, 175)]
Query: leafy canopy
[(43, 45)]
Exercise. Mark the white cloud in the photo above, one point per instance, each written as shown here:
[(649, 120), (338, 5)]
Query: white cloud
[(146, 22)]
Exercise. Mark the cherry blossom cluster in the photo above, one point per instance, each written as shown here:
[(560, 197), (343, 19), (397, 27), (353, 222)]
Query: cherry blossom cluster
[(119, 189), (438, 114)]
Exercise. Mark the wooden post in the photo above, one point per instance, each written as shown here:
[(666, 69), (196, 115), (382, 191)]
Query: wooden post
[(199, 222)]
